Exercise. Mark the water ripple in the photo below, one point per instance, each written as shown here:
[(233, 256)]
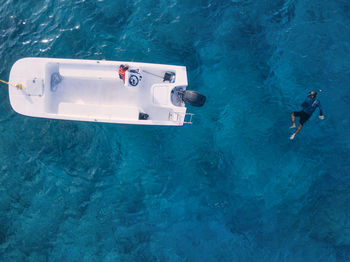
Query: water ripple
[(210, 191)]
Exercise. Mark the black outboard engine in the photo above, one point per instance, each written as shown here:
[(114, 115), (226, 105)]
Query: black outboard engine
[(193, 98)]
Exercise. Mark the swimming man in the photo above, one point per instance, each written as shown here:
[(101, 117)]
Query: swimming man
[(309, 106)]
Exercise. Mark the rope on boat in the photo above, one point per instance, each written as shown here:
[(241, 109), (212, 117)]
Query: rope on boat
[(18, 86), (151, 73)]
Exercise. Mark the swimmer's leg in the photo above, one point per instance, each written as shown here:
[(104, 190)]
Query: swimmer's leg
[(296, 132), (293, 120)]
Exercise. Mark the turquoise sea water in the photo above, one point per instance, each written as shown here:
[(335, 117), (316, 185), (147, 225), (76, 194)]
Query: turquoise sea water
[(230, 187)]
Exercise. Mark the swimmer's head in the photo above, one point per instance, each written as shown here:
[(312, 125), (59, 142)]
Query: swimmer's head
[(312, 94)]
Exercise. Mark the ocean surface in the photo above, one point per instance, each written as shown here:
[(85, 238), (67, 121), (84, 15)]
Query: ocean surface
[(230, 187)]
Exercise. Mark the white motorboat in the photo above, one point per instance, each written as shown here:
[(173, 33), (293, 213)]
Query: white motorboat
[(102, 91)]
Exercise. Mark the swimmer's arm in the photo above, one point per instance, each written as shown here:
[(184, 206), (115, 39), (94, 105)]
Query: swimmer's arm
[(321, 116)]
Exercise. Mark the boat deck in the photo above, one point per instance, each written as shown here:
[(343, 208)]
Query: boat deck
[(93, 91)]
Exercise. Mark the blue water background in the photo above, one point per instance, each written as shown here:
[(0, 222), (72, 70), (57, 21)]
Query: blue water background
[(230, 187)]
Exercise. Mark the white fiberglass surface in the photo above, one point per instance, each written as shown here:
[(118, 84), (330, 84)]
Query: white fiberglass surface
[(92, 91), (96, 91), (85, 91), (99, 91)]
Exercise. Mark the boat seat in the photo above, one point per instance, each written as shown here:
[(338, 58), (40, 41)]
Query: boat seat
[(98, 111), (161, 94)]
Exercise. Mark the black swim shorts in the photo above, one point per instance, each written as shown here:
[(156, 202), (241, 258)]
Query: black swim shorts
[(303, 116)]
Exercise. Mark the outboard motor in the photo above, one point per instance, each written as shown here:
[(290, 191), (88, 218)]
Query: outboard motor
[(193, 98)]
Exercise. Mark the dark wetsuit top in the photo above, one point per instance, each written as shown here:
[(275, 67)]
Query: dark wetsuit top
[(309, 106)]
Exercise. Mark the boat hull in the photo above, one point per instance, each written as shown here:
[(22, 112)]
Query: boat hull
[(91, 90)]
